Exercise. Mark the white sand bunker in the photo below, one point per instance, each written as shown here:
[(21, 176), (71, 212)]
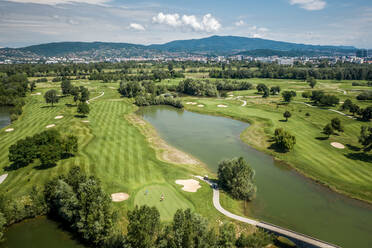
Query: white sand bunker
[(36, 94), (51, 125), (9, 130), (3, 177), (200, 105), (191, 103), (119, 197), (231, 95), (58, 117), (337, 145), (221, 106), (190, 185), (86, 121)]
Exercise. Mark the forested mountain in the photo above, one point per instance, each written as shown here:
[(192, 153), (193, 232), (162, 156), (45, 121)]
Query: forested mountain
[(214, 45)]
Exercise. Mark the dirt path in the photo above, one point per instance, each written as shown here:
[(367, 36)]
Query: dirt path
[(94, 98)]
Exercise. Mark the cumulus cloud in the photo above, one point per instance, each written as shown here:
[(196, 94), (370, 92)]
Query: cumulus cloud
[(208, 23), (137, 26), (54, 2), (239, 23), (309, 4)]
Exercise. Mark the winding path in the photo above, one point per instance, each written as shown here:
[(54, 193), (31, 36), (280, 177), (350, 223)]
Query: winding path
[(244, 102), (94, 98), (313, 242)]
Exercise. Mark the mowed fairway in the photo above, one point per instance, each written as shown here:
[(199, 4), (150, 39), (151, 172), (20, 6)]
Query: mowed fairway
[(110, 148), (347, 170)]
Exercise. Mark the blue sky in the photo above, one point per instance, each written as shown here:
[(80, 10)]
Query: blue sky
[(326, 22)]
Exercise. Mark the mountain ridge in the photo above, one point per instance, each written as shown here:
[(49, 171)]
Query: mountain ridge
[(213, 45)]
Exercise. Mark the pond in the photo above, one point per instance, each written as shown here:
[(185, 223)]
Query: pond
[(4, 117), (38, 233), (284, 197)]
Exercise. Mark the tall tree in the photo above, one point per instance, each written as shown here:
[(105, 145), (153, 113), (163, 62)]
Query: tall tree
[(287, 115), (311, 81), (66, 87), (83, 108), (365, 137), (51, 97), (236, 177)]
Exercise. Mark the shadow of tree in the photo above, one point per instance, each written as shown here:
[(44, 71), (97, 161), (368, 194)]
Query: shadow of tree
[(361, 156), (48, 106), (321, 138), (353, 148)]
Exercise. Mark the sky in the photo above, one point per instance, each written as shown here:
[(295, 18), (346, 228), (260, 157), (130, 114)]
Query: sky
[(321, 22)]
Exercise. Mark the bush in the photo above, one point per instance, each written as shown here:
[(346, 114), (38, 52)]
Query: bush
[(197, 88), (365, 95), (284, 141)]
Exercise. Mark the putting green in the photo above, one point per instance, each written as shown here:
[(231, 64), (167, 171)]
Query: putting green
[(172, 200)]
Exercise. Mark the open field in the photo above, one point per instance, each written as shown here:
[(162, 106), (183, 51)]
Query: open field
[(110, 147), (345, 170)]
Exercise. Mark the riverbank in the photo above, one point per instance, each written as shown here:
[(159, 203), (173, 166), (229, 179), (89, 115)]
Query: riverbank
[(312, 157)]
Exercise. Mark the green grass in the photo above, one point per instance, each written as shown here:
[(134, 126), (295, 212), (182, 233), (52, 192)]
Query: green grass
[(173, 200), (110, 148), (347, 171)]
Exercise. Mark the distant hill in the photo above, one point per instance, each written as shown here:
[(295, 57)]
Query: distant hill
[(214, 45), (229, 44)]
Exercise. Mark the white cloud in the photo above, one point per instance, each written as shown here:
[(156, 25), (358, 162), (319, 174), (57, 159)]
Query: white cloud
[(208, 23), (54, 2), (239, 23), (137, 26), (309, 4), (169, 19)]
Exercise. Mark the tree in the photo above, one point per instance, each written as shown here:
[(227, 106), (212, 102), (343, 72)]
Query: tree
[(336, 125), (284, 141), (288, 95), (365, 137), (287, 115), (143, 227), (226, 237), (354, 109), (261, 88), (275, 90), (366, 114), (266, 93), (311, 81), (84, 94), (32, 86), (51, 97), (83, 108), (328, 130), (306, 94), (75, 92), (49, 155), (346, 105), (236, 177), (66, 87)]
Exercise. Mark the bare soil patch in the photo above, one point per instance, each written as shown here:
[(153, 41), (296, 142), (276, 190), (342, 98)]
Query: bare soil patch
[(165, 152), (3, 177), (119, 197), (337, 145), (190, 185)]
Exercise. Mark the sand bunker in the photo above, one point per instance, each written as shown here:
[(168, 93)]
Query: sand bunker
[(221, 106), (337, 145), (9, 130), (119, 197), (86, 121), (190, 185), (36, 94), (200, 105), (191, 103), (58, 117), (3, 177), (51, 125), (231, 95)]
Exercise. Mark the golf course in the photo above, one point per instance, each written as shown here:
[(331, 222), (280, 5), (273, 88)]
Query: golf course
[(142, 151)]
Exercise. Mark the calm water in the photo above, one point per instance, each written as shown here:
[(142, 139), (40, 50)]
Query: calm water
[(284, 197), (38, 233), (4, 117)]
